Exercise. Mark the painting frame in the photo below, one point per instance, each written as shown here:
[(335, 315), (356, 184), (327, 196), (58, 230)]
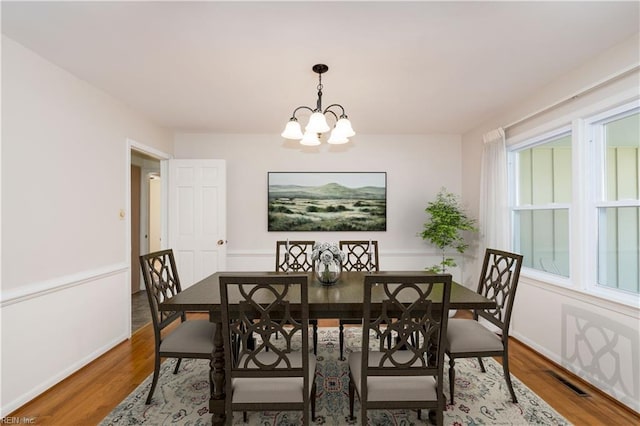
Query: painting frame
[(326, 201)]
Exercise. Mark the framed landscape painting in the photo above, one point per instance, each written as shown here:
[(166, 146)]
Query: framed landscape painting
[(327, 201)]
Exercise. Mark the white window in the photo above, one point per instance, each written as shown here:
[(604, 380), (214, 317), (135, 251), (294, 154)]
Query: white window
[(542, 201), (575, 202), (616, 143)]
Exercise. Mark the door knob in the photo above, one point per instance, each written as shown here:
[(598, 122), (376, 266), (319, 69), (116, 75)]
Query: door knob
[(220, 242)]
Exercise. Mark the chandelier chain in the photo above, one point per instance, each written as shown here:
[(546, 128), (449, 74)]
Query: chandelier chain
[(319, 102)]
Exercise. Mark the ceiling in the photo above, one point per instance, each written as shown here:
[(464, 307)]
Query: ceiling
[(396, 67)]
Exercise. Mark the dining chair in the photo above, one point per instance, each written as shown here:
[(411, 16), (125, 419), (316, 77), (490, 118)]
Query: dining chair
[(264, 373), (190, 338), (295, 256), (469, 338), (359, 256), (409, 374)]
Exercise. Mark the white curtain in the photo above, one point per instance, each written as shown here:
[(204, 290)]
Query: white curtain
[(494, 212)]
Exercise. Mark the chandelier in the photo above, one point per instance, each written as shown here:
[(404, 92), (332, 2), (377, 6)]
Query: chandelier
[(318, 122)]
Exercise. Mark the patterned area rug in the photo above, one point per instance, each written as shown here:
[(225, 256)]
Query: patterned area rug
[(480, 399)]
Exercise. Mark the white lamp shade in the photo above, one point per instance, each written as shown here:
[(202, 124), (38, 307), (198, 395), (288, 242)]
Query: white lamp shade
[(317, 123), (337, 138), (292, 131), (344, 127), (310, 139)]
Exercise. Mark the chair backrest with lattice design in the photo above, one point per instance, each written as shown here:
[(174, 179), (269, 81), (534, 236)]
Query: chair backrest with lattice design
[(360, 256), (413, 308), (256, 307), (162, 282), (294, 256), (498, 282)]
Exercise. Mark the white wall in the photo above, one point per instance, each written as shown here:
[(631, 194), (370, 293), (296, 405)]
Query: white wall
[(416, 166), (560, 322), (65, 271)]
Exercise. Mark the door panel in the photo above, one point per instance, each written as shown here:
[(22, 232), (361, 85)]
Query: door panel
[(155, 218), (197, 217), (135, 228)]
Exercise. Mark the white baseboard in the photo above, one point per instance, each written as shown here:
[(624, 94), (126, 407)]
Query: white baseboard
[(54, 380)]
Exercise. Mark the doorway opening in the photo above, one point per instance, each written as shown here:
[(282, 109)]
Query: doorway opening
[(146, 227)]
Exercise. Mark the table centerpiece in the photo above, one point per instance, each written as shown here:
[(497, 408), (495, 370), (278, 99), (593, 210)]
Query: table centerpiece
[(328, 259)]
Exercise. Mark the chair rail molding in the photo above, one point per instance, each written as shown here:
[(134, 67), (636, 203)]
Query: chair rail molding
[(38, 289)]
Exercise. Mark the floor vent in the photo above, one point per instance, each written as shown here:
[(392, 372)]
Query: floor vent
[(567, 383)]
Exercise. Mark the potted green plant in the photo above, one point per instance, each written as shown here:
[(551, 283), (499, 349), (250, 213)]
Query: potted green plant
[(445, 226)]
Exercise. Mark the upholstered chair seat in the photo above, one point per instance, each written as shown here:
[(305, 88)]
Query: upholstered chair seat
[(471, 336), (247, 390), (190, 338), (392, 388)]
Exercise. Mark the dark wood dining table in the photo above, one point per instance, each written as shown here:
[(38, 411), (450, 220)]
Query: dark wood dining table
[(341, 300)]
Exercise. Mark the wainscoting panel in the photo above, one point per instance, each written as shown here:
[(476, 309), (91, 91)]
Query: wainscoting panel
[(50, 333), (595, 339)]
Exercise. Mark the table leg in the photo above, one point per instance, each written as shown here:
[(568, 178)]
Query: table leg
[(216, 402), (433, 416)]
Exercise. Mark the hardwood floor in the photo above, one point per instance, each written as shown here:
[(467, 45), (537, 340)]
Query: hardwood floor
[(87, 396)]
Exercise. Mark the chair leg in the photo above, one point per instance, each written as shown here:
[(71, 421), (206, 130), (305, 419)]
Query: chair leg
[(313, 401), (352, 392), (175, 370), (481, 365), (442, 402), (212, 385), (315, 338), (244, 416), (154, 382), (415, 338), (236, 347), (507, 377), (251, 343), (452, 376), (341, 335)]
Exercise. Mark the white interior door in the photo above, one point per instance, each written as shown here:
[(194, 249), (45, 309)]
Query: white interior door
[(155, 217), (197, 217)]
